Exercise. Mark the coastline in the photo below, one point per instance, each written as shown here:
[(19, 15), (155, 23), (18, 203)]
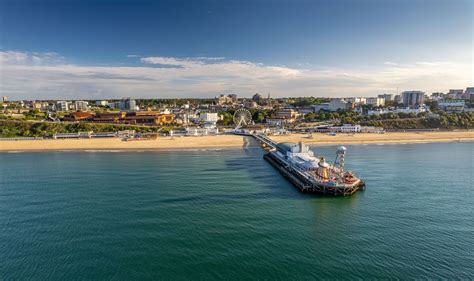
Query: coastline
[(230, 141)]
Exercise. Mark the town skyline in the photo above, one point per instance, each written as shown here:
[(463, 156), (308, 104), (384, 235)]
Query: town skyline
[(249, 96)]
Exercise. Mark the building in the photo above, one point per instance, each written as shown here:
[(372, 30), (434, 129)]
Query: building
[(450, 105), (147, 118), (275, 122), (375, 101), (437, 96), (257, 97), (250, 104), (287, 113), (386, 97), (468, 93), (223, 99), (416, 110), (77, 116), (322, 106), (339, 104), (356, 101), (127, 104), (37, 105), (455, 93), (209, 117), (134, 118), (398, 98), (80, 105), (194, 131), (412, 98), (108, 117), (189, 117), (101, 103), (305, 110), (233, 97), (5, 99), (62, 105), (49, 106), (345, 128)]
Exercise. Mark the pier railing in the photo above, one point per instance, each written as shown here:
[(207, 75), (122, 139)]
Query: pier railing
[(266, 140)]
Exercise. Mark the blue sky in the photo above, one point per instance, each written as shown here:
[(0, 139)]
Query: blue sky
[(89, 49)]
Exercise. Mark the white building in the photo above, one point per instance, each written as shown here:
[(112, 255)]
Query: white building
[(413, 98), (275, 122), (339, 104), (190, 117), (62, 105), (345, 128), (209, 117), (194, 131), (81, 105), (375, 101), (416, 110), (452, 105), (356, 100), (101, 103), (127, 104), (165, 111)]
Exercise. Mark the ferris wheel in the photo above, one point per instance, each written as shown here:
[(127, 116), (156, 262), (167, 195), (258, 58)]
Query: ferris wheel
[(242, 117)]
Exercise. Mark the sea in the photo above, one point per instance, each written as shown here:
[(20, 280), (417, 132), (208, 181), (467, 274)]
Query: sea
[(228, 215)]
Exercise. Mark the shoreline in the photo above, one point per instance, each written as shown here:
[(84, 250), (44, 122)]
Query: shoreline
[(229, 141)]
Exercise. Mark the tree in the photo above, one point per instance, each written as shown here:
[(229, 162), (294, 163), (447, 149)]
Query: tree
[(226, 118)]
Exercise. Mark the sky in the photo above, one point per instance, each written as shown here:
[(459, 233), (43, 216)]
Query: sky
[(162, 49)]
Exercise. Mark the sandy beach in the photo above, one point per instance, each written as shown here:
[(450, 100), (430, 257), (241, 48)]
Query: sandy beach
[(229, 141), (399, 137)]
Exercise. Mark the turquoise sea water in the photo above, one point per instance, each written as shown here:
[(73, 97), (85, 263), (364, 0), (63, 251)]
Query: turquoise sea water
[(227, 214)]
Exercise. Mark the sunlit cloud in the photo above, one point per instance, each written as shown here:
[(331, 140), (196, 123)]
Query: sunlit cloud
[(46, 76)]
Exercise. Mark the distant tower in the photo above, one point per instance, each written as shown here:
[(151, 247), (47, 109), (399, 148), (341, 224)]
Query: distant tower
[(340, 155)]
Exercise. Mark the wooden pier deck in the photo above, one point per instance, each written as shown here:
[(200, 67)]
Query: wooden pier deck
[(296, 178)]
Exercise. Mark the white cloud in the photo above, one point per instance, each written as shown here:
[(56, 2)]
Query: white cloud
[(12, 57), (170, 61), (23, 76), (182, 61), (16, 57)]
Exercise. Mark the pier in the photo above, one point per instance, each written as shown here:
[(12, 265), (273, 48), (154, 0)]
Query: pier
[(266, 142), (297, 177)]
